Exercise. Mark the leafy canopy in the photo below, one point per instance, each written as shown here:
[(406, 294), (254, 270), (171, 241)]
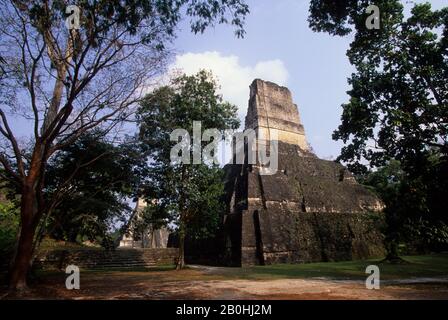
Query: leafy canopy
[(188, 195), (94, 200), (398, 106), (397, 116)]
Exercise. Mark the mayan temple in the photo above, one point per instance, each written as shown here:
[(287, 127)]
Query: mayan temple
[(309, 210)]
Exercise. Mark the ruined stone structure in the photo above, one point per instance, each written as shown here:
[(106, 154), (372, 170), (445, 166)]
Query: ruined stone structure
[(148, 238), (272, 112), (309, 210)]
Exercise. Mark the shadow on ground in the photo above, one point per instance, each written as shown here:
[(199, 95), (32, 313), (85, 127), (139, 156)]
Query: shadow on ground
[(425, 277)]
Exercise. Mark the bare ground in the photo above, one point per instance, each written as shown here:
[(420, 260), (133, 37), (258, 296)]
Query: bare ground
[(204, 283)]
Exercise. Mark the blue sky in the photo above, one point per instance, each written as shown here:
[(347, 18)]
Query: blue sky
[(280, 47)]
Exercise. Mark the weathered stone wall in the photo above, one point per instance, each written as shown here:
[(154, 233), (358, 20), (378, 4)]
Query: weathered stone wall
[(150, 238), (272, 112), (305, 213), (312, 237), (309, 210)]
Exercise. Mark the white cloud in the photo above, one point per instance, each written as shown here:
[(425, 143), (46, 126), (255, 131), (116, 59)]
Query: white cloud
[(233, 77)]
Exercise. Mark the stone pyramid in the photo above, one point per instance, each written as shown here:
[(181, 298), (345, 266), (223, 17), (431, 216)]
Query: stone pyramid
[(310, 210)]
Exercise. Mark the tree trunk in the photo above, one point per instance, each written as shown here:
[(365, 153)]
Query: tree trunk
[(181, 258), (30, 210), (24, 252), (392, 250), (392, 255)]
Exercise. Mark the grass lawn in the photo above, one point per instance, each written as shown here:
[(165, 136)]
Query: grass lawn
[(434, 265), (295, 282)]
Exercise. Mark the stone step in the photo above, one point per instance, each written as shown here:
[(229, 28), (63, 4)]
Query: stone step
[(118, 262), (85, 265), (94, 258)]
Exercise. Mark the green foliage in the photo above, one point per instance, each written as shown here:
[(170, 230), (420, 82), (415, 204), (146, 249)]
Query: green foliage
[(341, 17), (9, 225), (397, 116), (424, 234), (93, 179), (154, 21), (203, 197), (399, 96), (187, 195), (414, 212)]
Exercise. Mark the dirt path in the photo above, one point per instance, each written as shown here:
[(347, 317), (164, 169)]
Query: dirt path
[(207, 284)]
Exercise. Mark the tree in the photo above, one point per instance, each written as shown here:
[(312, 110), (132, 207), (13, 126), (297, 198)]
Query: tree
[(400, 85), (105, 176), (398, 108), (387, 182), (188, 195), (342, 17), (413, 213), (63, 81)]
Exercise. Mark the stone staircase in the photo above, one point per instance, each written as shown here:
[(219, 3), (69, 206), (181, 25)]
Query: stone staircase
[(100, 259)]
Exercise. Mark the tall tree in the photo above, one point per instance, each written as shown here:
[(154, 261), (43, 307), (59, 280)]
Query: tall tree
[(63, 79), (398, 108), (185, 194), (398, 101)]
